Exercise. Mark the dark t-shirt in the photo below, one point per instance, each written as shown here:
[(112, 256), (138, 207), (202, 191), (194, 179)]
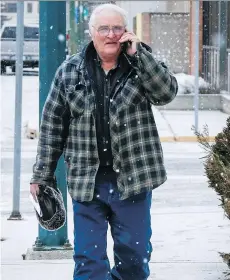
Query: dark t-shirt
[(104, 86)]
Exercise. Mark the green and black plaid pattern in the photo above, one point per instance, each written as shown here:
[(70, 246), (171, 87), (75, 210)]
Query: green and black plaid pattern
[(68, 127)]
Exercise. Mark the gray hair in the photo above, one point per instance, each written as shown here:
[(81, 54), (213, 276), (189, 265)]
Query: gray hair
[(107, 7)]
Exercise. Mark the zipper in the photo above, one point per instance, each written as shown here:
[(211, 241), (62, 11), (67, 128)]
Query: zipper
[(107, 102), (119, 88), (106, 110)]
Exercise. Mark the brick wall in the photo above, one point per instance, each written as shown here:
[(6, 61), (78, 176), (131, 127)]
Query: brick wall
[(169, 39), (146, 22)]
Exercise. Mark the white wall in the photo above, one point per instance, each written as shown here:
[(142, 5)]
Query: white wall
[(178, 6), (35, 9), (28, 17), (135, 7)]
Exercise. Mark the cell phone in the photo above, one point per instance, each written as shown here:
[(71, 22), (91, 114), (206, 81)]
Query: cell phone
[(36, 205), (125, 46)]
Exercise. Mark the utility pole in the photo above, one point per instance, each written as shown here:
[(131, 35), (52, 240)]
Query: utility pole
[(196, 60), (15, 215), (73, 17), (80, 26), (52, 54)]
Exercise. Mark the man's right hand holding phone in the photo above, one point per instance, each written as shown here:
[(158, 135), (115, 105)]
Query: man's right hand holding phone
[(132, 39)]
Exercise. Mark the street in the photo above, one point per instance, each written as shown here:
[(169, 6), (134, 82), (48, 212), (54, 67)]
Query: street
[(184, 168)]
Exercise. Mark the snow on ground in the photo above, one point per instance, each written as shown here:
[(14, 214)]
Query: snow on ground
[(30, 104), (186, 83), (30, 100)]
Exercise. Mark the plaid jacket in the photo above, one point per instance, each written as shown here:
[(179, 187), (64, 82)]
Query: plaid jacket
[(68, 127)]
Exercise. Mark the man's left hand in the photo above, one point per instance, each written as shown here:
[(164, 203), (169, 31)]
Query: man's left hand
[(132, 39)]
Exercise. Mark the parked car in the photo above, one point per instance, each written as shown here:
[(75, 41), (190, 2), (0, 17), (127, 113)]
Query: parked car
[(30, 48)]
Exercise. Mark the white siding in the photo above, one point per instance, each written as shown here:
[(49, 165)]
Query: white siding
[(32, 17), (135, 7)]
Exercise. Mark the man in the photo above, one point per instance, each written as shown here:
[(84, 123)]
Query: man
[(98, 113)]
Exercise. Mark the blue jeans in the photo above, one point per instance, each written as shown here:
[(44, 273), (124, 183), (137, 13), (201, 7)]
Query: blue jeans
[(130, 223)]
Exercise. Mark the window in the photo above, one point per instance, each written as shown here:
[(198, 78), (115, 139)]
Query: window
[(10, 8), (9, 33), (29, 8), (30, 33)]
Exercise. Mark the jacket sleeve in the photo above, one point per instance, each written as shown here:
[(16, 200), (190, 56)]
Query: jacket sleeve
[(160, 85), (53, 132)]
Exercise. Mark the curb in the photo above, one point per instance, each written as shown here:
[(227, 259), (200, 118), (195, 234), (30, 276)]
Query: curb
[(168, 139), (183, 139)]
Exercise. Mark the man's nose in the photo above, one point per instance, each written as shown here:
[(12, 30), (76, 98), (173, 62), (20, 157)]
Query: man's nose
[(111, 34)]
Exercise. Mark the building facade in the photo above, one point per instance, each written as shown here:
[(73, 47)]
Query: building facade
[(135, 7), (9, 11), (216, 44)]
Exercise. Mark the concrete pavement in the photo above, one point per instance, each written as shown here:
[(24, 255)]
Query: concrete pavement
[(189, 228), (176, 125), (173, 125), (185, 247)]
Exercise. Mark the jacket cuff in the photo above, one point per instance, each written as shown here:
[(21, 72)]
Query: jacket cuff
[(39, 181), (141, 48)]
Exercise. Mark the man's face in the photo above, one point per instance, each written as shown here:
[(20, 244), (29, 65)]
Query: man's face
[(108, 29)]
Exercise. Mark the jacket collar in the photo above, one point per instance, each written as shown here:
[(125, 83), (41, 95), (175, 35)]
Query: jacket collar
[(79, 59)]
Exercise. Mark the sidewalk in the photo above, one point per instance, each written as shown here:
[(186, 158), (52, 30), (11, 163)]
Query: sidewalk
[(172, 125), (184, 247), (177, 125), (189, 229)]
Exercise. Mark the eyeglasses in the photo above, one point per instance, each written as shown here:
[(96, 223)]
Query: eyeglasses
[(104, 30)]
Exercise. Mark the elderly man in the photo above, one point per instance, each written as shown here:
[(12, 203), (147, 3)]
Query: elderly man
[(98, 114)]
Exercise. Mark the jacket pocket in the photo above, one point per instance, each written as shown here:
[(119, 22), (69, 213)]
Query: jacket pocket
[(76, 97), (132, 93)]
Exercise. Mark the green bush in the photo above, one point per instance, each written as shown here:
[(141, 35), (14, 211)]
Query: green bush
[(217, 167)]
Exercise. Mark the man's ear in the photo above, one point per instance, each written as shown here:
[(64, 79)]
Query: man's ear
[(90, 32)]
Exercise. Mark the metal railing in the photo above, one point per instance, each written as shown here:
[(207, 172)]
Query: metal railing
[(228, 73), (211, 66)]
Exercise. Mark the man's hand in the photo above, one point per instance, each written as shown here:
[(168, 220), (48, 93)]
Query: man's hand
[(34, 190), (133, 39)]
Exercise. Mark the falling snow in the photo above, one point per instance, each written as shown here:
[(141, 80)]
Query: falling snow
[(61, 37), (186, 83)]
